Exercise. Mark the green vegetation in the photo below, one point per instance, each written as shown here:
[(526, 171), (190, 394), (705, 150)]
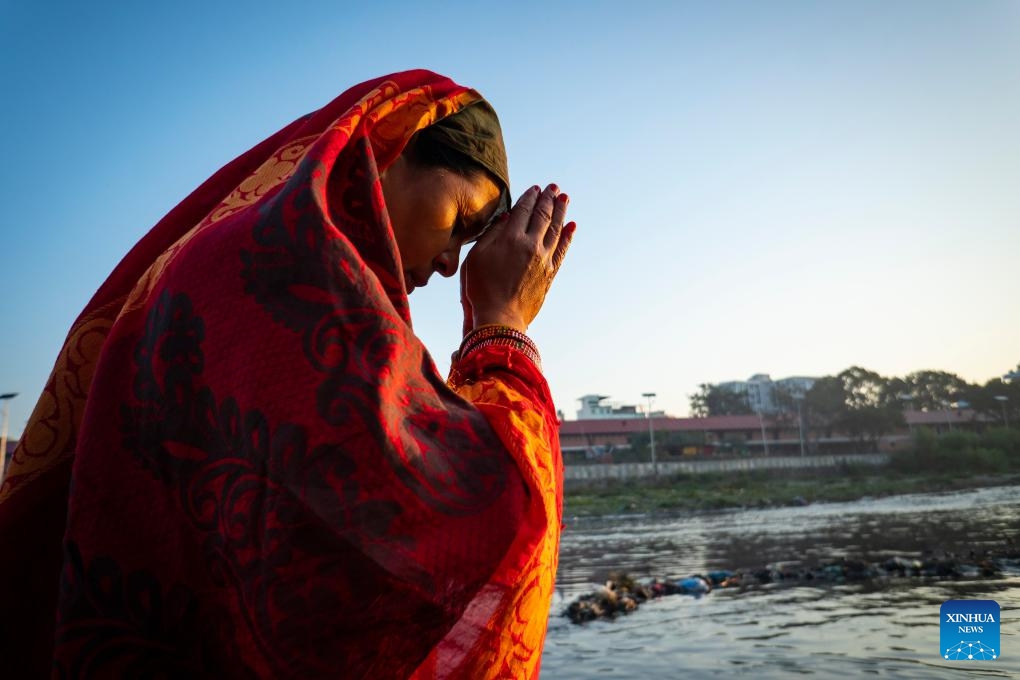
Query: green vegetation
[(867, 405), (960, 460), (993, 451)]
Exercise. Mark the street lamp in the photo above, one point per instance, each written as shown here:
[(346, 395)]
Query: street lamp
[(1002, 399), (6, 399), (764, 439), (800, 422), (949, 414), (907, 398), (651, 431)]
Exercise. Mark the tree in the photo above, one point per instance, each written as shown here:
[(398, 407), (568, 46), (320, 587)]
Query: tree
[(825, 403), (869, 423), (863, 388), (935, 390), (699, 400), (982, 399), (894, 392), (786, 401), (857, 402), (713, 400)]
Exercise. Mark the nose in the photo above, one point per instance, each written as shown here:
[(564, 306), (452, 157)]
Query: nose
[(446, 262)]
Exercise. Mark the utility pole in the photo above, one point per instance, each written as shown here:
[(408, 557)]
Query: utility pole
[(651, 431), (764, 439), (1002, 399), (800, 424)]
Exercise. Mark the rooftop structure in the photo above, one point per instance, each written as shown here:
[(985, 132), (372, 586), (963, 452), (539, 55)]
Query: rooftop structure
[(592, 408)]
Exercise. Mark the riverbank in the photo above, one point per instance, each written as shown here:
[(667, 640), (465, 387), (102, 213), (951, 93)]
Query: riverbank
[(885, 627), (763, 489)]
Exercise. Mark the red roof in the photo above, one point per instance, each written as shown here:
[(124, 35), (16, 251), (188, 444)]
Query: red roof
[(723, 423), (663, 424), (941, 417)]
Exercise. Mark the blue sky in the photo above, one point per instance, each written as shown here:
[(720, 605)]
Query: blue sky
[(780, 187)]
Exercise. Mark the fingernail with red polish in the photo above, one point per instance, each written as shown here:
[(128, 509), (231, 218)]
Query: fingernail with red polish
[(535, 188), (553, 188), (563, 198)]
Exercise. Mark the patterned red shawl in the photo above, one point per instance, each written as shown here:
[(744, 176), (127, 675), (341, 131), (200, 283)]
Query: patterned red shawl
[(245, 463)]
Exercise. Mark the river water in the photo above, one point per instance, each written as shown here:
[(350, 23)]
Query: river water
[(887, 628)]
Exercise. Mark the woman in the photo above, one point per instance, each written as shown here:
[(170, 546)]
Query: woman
[(245, 463)]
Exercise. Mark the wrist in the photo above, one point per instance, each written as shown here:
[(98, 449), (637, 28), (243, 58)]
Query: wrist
[(496, 335), (500, 319)]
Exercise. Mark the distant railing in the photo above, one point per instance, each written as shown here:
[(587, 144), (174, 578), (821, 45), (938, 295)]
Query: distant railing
[(636, 470)]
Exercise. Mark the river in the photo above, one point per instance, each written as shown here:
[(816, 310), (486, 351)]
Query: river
[(885, 628)]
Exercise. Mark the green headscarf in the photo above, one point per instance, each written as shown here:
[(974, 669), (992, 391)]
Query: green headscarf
[(474, 131)]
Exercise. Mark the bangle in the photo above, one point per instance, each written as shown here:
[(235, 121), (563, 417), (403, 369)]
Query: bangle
[(494, 331), (498, 336), (525, 349), (491, 331)]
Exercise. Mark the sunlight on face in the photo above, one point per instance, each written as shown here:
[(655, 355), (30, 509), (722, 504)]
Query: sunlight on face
[(435, 211)]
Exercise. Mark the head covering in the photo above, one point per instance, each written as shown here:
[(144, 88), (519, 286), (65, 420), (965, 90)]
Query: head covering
[(475, 132)]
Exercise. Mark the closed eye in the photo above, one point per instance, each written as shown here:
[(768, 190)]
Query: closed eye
[(479, 230), (468, 232)]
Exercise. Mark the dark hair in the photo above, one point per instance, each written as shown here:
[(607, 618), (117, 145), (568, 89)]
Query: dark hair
[(428, 149)]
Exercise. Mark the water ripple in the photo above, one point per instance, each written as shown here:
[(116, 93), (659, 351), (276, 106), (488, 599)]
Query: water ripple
[(885, 628)]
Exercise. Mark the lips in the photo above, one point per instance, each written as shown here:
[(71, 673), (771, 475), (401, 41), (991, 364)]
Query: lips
[(411, 282)]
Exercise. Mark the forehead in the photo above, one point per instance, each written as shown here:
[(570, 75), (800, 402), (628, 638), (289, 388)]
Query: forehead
[(480, 186), (480, 197), (480, 204)]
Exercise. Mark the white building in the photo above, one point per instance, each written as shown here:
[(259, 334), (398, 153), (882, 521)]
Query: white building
[(760, 390), (592, 408)]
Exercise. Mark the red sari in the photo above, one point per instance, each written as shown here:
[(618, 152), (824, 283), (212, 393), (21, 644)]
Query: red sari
[(245, 463)]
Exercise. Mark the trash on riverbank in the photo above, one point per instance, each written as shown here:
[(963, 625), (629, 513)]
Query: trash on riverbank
[(622, 594)]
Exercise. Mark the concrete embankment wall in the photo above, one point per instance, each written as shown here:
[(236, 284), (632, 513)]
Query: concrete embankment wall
[(581, 474)]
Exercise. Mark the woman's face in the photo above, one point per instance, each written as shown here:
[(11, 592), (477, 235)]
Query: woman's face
[(435, 211)]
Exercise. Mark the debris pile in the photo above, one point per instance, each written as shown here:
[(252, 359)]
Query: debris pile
[(622, 594)]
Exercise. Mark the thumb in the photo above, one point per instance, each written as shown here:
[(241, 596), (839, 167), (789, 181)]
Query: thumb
[(469, 321), (494, 228), (566, 236)]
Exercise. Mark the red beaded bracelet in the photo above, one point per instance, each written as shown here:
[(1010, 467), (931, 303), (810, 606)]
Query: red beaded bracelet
[(493, 331), (498, 335), (525, 349)]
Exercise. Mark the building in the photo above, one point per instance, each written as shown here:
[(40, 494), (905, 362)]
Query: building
[(608, 440), (592, 408), (761, 391), (599, 439)]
